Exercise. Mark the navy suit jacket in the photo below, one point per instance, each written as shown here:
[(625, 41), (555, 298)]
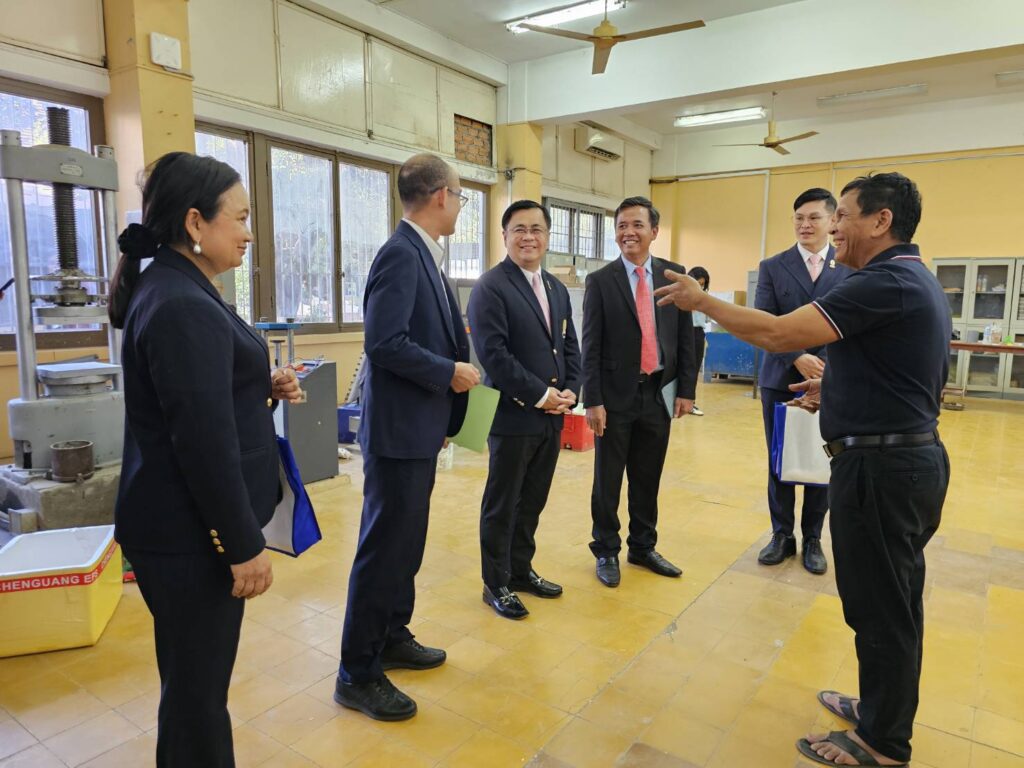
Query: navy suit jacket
[(611, 336), (200, 456), (412, 343), (521, 357), (783, 286)]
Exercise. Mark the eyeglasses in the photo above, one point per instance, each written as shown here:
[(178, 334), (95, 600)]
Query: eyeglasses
[(524, 231), (463, 199), (814, 218)]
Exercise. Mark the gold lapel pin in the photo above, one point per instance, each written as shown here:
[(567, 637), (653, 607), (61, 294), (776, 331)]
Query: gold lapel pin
[(832, 265)]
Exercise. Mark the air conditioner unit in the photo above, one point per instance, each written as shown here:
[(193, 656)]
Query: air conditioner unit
[(598, 144)]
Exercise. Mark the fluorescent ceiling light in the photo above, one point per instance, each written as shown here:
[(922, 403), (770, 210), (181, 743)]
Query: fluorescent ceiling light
[(1010, 78), (713, 118), (917, 89), (564, 15)]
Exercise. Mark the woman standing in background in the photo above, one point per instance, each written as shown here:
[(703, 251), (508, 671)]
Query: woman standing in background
[(699, 321)]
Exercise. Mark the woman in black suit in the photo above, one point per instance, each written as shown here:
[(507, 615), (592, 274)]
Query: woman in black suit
[(199, 477)]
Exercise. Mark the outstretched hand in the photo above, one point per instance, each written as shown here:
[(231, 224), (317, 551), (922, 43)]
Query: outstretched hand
[(810, 399), (684, 291)]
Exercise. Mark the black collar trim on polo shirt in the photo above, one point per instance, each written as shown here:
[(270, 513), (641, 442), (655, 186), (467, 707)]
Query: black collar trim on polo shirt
[(900, 251)]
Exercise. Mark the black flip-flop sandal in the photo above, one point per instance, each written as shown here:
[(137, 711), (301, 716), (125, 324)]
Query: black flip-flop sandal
[(845, 743), (845, 709)]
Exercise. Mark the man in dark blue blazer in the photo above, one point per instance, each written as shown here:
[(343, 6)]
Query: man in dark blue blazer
[(786, 282), (521, 325), (414, 397)]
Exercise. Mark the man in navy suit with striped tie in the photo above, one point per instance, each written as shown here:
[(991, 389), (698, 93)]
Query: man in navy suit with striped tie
[(786, 282)]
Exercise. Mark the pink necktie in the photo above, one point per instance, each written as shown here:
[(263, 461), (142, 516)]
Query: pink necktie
[(538, 290), (648, 334), (814, 267)]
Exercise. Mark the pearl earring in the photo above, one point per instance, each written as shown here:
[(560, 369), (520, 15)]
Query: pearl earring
[(196, 249)]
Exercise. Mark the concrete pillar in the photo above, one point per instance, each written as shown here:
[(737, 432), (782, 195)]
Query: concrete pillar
[(518, 149)]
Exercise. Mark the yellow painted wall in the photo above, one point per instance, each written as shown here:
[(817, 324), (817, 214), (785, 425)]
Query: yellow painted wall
[(971, 203)]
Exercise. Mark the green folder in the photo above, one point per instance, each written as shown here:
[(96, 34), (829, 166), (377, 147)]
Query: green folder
[(483, 402)]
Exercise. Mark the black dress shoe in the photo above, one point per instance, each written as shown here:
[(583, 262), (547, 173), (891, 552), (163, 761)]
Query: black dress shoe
[(379, 699), (778, 549), (814, 558), (535, 585), (608, 571), (654, 562), (506, 604), (409, 654)]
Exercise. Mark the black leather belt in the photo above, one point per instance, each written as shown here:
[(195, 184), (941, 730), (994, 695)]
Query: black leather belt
[(645, 377), (835, 447)]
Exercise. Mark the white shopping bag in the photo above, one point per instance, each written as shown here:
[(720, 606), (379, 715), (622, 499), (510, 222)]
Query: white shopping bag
[(800, 458)]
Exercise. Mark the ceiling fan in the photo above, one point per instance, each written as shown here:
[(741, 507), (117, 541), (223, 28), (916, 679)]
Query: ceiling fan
[(606, 36), (772, 140)]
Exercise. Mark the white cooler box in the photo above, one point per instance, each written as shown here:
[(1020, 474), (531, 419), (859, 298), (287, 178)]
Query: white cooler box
[(58, 589)]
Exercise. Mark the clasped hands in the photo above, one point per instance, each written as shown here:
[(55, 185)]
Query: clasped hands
[(558, 402), (285, 385)]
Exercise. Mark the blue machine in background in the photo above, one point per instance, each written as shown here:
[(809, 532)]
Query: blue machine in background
[(728, 356)]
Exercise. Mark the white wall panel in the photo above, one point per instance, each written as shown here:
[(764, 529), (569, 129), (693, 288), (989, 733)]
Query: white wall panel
[(637, 171), (233, 48), (71, 28), (404, 97), (461, 95), (608, 177), (321, 69), (574, 168)]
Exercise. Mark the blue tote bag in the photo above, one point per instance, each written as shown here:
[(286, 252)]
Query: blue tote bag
[(293, 529), (796, 454)]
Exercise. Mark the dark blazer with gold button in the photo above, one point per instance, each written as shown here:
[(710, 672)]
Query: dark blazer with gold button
[(521, 357), (200, 468)]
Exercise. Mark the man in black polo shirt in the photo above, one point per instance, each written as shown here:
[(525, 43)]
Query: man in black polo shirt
[(888, 328)]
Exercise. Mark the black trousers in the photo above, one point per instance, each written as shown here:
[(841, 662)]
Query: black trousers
[(381, 587), (196, 624), (782, 496), (635, 440), (518, 480), (886, 504)]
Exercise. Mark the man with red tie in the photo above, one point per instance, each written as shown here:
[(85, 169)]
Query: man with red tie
[(638, 374)]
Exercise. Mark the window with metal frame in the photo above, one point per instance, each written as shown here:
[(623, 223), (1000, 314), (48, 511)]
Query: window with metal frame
[(365, 197), (580, 230), (302, 190), (23, 109), (235, 151), (466, 250)]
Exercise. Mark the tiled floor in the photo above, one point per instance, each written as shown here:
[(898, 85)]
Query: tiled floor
[(718, 668)]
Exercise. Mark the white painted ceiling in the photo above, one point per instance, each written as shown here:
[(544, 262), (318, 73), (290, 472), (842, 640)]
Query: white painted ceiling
[(480, 24), (955, 77)]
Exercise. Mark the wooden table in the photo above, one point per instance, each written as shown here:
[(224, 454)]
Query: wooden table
[(975, 346)]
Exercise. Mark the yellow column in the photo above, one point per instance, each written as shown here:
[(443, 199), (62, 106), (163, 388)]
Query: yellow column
[(149, 110), (519, 152), (666, 199)]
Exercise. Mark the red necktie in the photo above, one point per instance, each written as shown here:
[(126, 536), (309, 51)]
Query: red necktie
[(648, 333)]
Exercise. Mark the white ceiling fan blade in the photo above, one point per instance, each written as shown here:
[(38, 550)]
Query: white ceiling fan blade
[(659, 31)]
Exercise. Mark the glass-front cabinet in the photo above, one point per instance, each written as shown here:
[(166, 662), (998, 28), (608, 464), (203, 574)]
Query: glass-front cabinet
[(993, 286), (984, 371), (957, 360), (953, 279)]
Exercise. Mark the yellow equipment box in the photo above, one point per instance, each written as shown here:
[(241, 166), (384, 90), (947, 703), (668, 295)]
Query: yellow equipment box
[(58, 589)]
